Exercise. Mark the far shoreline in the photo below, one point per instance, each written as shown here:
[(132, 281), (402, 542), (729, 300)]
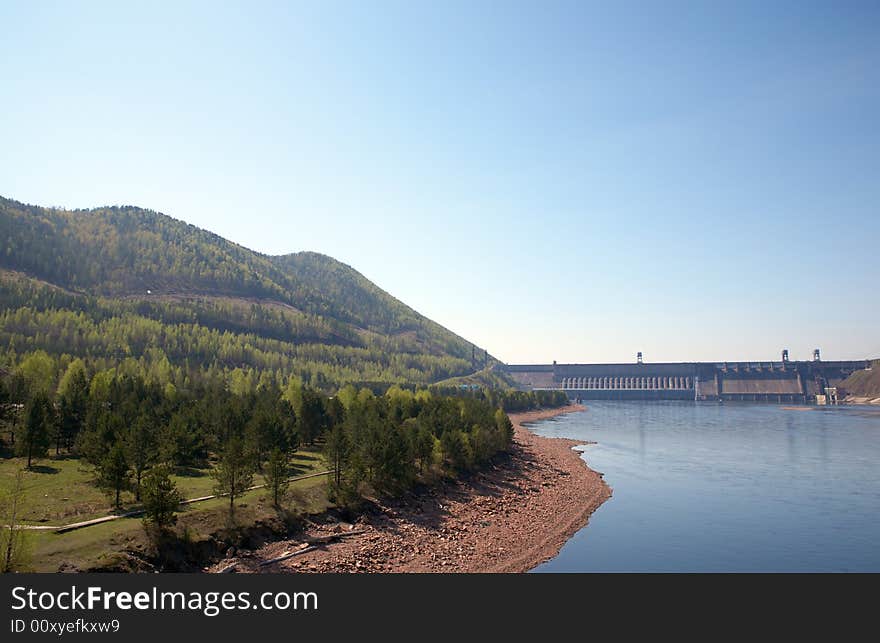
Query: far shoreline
[(509, 518)]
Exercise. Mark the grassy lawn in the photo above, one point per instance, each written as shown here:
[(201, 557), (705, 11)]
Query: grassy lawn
[(93, 546), (56, 490), (83, 547), (61, 490)]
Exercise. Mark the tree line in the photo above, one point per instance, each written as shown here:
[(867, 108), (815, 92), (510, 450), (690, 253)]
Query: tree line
[(193, 351), (509, 400), (136, 432)]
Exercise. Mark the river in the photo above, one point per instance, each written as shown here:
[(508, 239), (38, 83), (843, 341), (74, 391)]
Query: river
[(705, 487)]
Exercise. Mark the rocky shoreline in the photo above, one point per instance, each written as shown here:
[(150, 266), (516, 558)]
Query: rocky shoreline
[(509, 518)]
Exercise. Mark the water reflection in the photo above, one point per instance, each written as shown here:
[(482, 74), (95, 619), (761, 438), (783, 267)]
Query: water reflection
[(789, 432), (641, 423)]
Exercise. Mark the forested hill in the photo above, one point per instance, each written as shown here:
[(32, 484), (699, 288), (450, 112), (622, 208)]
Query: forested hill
[(131, 288)]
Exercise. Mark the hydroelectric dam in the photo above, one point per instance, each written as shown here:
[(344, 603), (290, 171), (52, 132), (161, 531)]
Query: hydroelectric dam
[(771, 381)]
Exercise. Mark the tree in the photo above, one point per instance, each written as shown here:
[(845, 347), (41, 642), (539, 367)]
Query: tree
[(293, 393), (113, 471), (267, 430), (287, 435), (75, 377), (140, 449), (456, 449), (311, 416), (161, 497), (181, 440), (38, 370), (13, 542), (276, 474), (228, 418), (421, 442), (481, 440), (337, 450), (73, 397), (335, 412), (102, 428), (234, 472), (504, 428), (36, 432), (6, 408), (395, 469), (346, 396), (99, 387)]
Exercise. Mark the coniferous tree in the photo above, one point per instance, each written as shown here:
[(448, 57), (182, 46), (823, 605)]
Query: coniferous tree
[(103, 426), (6, 408), (456, 449), (114, 474), (337, 450), (141, 449), (72, 405), (311, 418), (73, 397), (234, 472), (424, 447), (37, 429), (181, 439), (276, 474), (161, 497), (504, 430)]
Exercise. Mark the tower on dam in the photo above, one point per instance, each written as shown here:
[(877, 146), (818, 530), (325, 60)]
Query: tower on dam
[(771, 381)]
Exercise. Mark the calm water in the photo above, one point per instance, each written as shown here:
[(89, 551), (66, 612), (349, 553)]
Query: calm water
[(733, 487)]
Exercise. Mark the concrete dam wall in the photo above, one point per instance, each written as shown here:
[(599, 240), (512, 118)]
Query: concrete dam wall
[(784, 381)]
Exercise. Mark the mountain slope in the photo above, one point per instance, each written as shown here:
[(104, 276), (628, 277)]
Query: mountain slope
[(863, 383), (124, 272)]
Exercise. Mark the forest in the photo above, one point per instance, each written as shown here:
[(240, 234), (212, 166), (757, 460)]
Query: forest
[(128, 251), (128, 428), (122, 285), (144, 350)]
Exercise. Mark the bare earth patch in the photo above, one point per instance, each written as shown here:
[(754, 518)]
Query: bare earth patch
[(510, 518)]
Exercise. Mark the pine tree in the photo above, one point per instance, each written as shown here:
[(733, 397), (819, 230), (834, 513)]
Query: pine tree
[(141, 449), (113, 472), (311, 417), (73, 396), (161, 497), (276, 474), (5, 402), (423, 446), (36, 432), (456, 449), (337, 449), (504, 429), (234, 472)]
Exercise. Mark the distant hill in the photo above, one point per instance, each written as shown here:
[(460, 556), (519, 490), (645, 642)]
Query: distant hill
[(125, 284), (863, 383)]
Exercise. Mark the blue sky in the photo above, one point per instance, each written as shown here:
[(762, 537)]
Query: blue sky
[(569, 181)]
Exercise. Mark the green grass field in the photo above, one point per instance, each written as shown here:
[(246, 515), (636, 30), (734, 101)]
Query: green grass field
[(61, 490), (56, 490)]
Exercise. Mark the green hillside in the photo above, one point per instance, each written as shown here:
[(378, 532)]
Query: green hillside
[(136, 290)]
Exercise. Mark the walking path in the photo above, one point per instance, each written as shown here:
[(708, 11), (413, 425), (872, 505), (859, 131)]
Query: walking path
[(60, 529)]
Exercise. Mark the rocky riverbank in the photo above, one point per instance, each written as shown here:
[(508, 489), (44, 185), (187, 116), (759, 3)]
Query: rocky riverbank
[(508, 518)]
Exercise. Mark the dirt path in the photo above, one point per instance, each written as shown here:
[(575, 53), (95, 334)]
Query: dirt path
[(140, 512), (508, 519)]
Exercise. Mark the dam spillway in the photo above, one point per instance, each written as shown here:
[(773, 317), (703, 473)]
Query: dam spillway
[(773, 381)]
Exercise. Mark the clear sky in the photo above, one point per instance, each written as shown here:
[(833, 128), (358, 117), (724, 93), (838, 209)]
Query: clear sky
[(568, 181)]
